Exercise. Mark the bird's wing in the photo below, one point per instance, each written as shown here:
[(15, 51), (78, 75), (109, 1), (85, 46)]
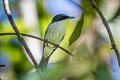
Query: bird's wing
[(55, 33), (44, 39), (43, 62)]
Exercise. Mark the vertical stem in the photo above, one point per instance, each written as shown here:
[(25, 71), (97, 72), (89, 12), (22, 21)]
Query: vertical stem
[(113, 44), (20, 38)]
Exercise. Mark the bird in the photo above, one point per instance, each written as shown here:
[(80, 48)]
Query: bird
[(55, 33)]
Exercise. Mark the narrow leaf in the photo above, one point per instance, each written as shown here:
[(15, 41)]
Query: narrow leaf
[(116, 15), (77, 31), (102, 73)]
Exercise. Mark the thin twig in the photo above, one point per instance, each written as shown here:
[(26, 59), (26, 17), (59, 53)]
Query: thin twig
[(2, 65), (22, 41), (35, 37), (77, 4), (113, 44)]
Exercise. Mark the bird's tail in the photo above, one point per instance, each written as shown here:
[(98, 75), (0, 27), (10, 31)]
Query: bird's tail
[(44, 61), (43, 64)]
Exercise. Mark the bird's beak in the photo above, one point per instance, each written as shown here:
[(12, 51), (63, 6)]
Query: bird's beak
[(71, 17)]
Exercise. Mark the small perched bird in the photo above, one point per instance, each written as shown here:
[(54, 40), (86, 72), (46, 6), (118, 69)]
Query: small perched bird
[(54, 33)]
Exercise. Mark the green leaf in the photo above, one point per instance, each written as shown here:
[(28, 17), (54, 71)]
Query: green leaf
[(102, 73), (116, 15), (77, 31)]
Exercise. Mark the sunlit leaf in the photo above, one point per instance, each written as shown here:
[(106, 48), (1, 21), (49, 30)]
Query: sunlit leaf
[(11, 47), (77, 31)]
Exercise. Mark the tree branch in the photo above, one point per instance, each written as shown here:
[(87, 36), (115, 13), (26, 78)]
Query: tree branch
[(113, 44), (35, 37), (22, 41)]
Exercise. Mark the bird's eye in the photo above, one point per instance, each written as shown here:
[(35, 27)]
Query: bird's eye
[(65, 17)]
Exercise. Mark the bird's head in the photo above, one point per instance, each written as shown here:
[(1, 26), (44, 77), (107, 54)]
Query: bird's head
[(61, 17)]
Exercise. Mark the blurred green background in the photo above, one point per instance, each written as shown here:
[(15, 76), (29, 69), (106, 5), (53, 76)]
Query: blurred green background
[(85, 37)]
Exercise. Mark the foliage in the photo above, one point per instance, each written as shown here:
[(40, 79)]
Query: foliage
[(77, 31), (91, 53)]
